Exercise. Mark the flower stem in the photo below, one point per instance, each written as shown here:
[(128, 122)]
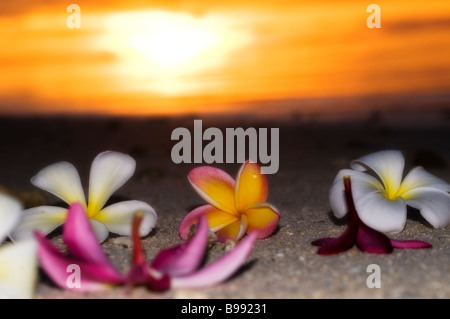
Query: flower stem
[(349, 198), (138, 251)]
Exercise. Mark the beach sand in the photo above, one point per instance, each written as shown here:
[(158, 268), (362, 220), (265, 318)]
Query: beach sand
[(285, 265)]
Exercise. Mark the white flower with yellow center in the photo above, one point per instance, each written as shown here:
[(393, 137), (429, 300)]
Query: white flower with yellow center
[(18, 261), (382, 195), (109, 171)]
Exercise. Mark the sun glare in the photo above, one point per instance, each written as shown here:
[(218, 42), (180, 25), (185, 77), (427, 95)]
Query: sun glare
[(164, 52)]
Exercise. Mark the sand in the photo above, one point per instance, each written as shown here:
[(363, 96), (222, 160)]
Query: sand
[(285, 265)]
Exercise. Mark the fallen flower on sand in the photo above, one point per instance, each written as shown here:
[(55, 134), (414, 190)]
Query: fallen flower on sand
[(109, 171), (235, 208), (18, 262), (365, 238), (175, 267), (381, 196)]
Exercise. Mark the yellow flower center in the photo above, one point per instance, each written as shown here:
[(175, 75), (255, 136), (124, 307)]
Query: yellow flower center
[(391, 191)]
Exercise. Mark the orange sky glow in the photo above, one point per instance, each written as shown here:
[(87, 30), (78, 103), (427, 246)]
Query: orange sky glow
[(177, 57)]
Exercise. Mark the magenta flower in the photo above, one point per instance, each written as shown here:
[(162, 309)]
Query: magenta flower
[(179, 266), (365, 238), (96, 270)]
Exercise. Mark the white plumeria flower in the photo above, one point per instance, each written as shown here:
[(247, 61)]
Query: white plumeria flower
[(381, 196), (18, 269), (18, 261), (10, 212), (109, 171)]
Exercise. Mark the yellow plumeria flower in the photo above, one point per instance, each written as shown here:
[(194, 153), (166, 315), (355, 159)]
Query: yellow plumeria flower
[(109, 171), (382, 195), (235, 208), (18, 261)]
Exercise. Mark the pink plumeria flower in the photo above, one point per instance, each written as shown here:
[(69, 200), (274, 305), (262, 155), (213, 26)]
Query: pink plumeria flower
[(179, 266), (361, 235), (109, 171), (96, 270), (175, 267), (235, 208), (18, 262), (382, 195)]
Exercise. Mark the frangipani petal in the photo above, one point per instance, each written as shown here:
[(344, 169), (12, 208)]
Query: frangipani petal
[(185, 258), (217, 219), (221, 269), (233, 231), (10, 213), (262, 217), (410, 244), (80, 238), (214, 186), (42, 218), (381, 213), (243, 227), (434, 205), (60, 269), (251, 186), (100, 230), (62, 180), (419, 177), (388, 165), (143, 274), (330, 245), (372, 241), (363, 185), (118, 217), (109, 171), (18, 270)]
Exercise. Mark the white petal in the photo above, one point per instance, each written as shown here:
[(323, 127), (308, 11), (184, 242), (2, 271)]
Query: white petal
[(434, 205), (100, 230), (18, 269), (10, 213), (42, 218), (419, 177), (362, 184), (62, 180), (118, 217), (381, 213), (109, 171), (388, 165)]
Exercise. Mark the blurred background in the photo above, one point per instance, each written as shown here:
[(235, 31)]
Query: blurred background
[(191, 57)]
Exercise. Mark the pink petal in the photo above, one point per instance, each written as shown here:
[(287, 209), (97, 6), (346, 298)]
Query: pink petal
[(330, 246), (185, 258), (141, 274), (410, 244), (372, 241), (80, 239), (221, 269), (56, 265)]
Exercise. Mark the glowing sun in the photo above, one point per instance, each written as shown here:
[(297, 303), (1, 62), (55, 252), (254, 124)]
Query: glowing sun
[(159, 50)]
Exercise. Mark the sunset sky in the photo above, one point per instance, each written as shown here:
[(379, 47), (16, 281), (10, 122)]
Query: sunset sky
[(172, 57)]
